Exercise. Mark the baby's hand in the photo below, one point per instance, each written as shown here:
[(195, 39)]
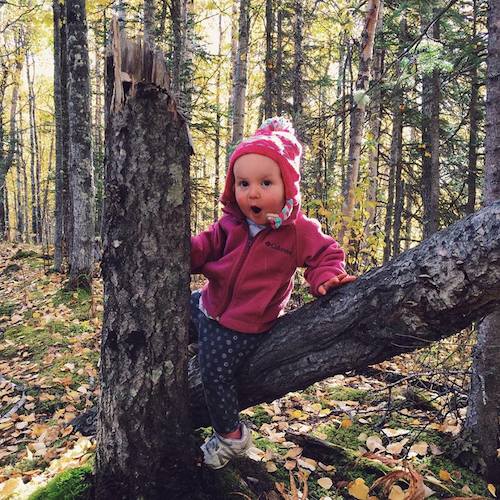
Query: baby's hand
[(339, 280)]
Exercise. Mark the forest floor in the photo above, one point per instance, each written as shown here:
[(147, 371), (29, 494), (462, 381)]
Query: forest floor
[(386, 433)]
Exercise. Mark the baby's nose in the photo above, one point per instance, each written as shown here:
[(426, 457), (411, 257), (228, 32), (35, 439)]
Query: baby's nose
[(254, 192)]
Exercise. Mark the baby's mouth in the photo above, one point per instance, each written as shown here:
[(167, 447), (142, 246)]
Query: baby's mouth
[(255, 210)]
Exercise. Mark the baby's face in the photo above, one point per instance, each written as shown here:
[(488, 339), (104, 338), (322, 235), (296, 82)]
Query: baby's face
[(258, 187)]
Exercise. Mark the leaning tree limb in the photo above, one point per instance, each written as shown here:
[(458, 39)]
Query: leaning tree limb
[(427, 293)]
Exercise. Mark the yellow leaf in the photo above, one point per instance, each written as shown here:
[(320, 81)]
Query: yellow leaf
[(10, 486), (325, 482), (396, 493), (492, 489), (444, 475), (346, 423), (29, 455), (293, 452), (271, 467), (6, 425), (296, 414), (358, 489)]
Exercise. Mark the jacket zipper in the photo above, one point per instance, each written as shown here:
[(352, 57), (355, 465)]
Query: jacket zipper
[(248, 245)]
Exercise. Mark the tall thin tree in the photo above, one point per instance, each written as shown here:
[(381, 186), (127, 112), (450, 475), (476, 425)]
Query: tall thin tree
[(80, 164)]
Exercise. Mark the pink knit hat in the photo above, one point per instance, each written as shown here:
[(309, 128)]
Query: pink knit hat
[(276, 139)]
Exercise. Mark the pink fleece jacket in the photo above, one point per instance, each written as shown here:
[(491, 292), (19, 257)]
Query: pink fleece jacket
[(250, 280)]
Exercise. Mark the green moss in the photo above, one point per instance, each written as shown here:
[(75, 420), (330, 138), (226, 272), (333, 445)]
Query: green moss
[(260, 416), (78, 301), (7, 308), (461, 475), (348, 438), (71, 484), (24, 254), (340, 393)]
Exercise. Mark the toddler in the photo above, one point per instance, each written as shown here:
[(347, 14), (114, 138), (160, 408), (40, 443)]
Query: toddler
[(250, 257)]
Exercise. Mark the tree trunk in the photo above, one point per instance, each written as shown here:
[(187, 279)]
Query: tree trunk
[(65, 139), (35, 233), (58, 13), (298, 62), (80, 166), (484, 406), (280, 106), (20, 221), (268, 85), (145, 448), (427, 293), (397, 147), (473, 124), (358, 113), (240, 74), (149, 22), (375, 123), (8, 159), (218, 126), (430, 140)]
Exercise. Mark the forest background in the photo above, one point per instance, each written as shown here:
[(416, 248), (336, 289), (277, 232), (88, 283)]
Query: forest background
[(388, 100)]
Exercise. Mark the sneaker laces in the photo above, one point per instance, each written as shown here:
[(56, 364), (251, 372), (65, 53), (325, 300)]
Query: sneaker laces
[(213, 444)]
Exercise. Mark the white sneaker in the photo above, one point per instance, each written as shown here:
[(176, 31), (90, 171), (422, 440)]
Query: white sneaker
[(217, 451)]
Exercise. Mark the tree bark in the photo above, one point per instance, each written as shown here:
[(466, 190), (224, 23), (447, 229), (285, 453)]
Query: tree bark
[(268, 85), (149, 22), (280, 104), (358, 113), (8, 159), (58, 13), (430, 140), (218, 126), (298, 62), (145, 448), (80, 165), (473, 124), (427, 293), (375, 125), (240, 74), (484, 407)]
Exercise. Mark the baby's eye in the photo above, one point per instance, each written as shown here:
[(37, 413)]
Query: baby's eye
[(243, 184), (266, 183)]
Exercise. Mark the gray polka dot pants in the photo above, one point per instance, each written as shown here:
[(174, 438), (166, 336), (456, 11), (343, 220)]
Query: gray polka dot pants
[(221, 353)]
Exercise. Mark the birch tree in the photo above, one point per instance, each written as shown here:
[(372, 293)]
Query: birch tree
[(359, 111)]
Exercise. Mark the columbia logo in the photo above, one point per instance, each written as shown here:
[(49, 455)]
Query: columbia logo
[(276, 246)]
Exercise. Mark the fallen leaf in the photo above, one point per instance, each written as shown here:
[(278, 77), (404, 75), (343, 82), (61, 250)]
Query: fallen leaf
[(358, 489), (374, 443), (346, 423), (290, 464), (271, 467), (394, 432), (396, 493), (325, 482), (444, 475), (492, 489), (294, 452), (419, 448)]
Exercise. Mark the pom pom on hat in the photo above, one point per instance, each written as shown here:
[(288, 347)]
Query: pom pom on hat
[(276, 139), (276, 124)]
